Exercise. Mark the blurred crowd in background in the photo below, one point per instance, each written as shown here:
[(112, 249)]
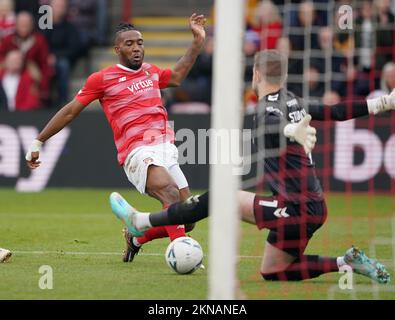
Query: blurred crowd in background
[(35, 64), (326, 63)]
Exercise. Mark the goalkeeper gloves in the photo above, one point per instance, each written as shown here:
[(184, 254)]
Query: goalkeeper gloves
[(302, 133), (382, 104)]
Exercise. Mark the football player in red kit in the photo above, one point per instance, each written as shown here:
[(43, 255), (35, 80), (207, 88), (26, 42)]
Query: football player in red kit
[(129, 93)]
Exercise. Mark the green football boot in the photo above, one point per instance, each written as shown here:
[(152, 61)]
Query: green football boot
[(124, 211), (363, 265)]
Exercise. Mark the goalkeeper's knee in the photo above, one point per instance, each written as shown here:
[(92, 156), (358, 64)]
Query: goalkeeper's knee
[(282, 276)]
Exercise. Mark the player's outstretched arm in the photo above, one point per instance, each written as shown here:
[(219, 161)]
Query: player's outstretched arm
[(353, 109), (61, 119), (184, 65)]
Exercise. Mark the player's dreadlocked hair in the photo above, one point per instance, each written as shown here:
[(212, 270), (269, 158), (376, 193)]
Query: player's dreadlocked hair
[(122, 27)]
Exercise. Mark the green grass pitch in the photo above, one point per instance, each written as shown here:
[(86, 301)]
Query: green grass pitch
[(74, 232)]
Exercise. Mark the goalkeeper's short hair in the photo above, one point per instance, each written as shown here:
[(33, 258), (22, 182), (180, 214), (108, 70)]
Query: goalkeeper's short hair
[(272, 65)]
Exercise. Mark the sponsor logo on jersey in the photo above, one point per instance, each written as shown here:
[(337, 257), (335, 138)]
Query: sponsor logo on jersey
[(272, 97), (296, 116), (141, 86), (275, 110), (292, 103)]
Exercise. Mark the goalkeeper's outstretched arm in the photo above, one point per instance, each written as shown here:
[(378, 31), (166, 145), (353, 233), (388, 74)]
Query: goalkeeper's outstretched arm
[(353, 109)]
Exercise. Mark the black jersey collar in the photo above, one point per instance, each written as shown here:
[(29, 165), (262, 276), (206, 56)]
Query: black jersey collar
[(273, 96)]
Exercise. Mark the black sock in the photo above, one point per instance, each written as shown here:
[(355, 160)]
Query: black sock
[(189, 211), (306, 267)]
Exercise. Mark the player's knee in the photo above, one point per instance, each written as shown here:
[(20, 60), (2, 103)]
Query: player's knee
[(167, 194), (189, 227), (269, 273), (281, 274), (272, 272), (170, 194)]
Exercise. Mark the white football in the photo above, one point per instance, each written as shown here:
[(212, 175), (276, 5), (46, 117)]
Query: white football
[(184, 255)]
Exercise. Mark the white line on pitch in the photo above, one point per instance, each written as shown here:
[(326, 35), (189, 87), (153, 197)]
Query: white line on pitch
[(104, 253), (92, 253)]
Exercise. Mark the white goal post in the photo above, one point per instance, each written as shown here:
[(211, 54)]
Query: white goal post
[(226, 115)]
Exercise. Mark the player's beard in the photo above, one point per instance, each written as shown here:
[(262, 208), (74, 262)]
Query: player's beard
[(136, 66)]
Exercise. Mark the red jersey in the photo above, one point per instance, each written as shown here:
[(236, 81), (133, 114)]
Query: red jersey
[(132, 102)]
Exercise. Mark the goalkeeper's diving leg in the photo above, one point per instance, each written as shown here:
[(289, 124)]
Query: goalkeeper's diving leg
[(283, 258)]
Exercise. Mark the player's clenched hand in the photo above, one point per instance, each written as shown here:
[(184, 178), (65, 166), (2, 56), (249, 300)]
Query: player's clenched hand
[(33, 153), (302, 133), (197, 23)]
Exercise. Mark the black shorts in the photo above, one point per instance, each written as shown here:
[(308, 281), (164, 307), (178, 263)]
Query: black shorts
[(291, 225)]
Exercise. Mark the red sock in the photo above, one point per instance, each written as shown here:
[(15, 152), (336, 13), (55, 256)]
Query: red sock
[(174, 231), (153, 233)]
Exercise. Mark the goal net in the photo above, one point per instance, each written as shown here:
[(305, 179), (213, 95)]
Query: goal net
[(335, 54)]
